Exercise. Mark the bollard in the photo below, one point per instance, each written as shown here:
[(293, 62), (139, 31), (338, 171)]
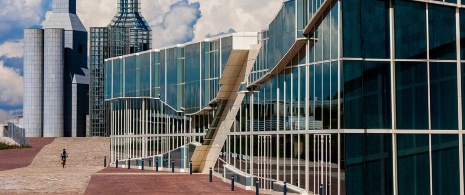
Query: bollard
[(232, 183), (211, 175), (321, 189), (156, 164), (190, 167), (142, 164), (328, 189), (105, 161), (285, 189), (172, 166), (116, 162), (129, 163), (257, 187)]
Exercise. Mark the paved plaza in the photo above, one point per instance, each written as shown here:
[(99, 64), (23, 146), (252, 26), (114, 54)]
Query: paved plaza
[(37, 170)]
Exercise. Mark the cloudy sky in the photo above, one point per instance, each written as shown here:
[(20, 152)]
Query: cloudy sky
[(172, 22)]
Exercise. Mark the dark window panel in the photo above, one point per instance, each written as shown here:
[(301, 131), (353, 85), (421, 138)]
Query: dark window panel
[(443, 95), (442, 37), (410, 29), (412, 95)]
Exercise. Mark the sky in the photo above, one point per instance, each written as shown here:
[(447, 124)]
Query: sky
[(172, 21)]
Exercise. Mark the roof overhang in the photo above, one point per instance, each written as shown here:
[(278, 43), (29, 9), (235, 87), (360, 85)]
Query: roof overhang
[(316, 19), (287, 58)]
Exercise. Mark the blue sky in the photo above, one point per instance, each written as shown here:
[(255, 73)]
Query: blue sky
[(172, 22)]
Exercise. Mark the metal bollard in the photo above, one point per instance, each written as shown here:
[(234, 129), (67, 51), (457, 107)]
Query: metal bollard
[(285, 189), (328, 189), (257, 187), (116, 162), (321, 189), (156, 164), (211, 175), (129, 163), (190, 167), (105, 161), (232, 183), (142, 164), (172, 166)]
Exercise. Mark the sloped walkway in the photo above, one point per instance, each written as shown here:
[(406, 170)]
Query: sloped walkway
[(18, 158), (124, 181), (45, 174)]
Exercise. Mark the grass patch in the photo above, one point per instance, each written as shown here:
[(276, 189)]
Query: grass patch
[(4, 146)]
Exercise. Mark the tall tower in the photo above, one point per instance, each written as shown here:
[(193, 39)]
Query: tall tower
[(33, 101), (56, 75), (127, 33)]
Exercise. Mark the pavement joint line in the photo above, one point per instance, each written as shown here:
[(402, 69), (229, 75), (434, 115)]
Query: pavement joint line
[(177, 174)]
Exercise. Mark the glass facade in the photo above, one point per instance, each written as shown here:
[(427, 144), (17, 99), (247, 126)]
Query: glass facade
[(127, 33), (343, 97)]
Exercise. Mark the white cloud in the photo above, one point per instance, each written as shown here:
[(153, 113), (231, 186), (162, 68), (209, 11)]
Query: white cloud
[(11, 86), (8, 114), (177, 25), (98, 13), (241, 15), (171, 25), (12, 49), (47, 16), (19, 12)]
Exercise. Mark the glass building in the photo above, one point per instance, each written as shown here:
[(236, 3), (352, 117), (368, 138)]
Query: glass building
[(127, 33), (335, 97)]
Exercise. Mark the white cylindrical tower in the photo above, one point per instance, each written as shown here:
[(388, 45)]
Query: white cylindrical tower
[(54, 61), (33, 81)]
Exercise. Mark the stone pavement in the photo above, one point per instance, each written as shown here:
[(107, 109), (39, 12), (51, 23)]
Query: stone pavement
[(124, 181), (18, 158), (84, 172), (45, 174)]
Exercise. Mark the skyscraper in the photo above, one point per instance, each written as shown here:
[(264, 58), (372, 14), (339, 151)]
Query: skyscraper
[(127, 33), (55, 75)]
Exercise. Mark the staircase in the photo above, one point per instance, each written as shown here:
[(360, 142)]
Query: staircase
[(227, 104), (45, 175)]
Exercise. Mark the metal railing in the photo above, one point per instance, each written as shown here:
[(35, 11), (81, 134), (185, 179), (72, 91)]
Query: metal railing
[(18, 134)]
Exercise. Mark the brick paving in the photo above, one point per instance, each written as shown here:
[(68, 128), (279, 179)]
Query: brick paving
[(124, 181), (22, 173), (18, 158), (45, 174)]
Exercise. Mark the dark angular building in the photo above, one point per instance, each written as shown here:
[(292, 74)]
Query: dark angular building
[(127, 33)]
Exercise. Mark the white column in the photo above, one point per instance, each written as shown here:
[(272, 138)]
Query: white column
[(33, 82), (54, 60)]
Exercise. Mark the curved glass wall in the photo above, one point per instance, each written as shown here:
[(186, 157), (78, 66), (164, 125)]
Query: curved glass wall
[(369, 102)]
